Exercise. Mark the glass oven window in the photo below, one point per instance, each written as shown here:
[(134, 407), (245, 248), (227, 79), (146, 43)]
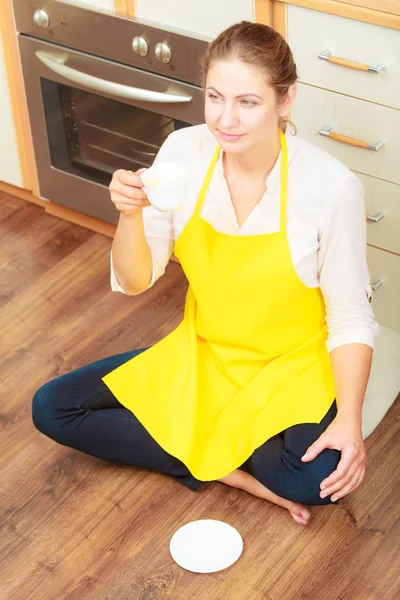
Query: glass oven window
[(92, 136)]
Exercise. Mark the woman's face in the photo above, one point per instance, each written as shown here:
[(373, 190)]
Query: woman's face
[(241, 110)]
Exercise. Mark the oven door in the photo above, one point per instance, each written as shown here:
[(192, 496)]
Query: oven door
[(90, 117)]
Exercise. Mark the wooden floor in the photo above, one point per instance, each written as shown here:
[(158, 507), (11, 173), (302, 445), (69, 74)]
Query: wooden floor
[(76, 527)]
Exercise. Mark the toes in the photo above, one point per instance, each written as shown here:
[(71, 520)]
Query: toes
[(302, 511), (300, 514), (298, 519)]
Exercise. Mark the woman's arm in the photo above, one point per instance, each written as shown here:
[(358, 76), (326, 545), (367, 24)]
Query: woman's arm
[(351, 366), (344, 281), (158, 233), (132, 260), (144, 241)]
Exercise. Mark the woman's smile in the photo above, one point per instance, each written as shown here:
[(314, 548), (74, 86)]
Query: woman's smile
[(231, 137)]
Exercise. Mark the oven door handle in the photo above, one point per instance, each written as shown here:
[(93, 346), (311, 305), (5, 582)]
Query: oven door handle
[(57, 64)]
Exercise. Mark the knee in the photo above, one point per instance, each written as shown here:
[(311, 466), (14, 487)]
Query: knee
[(43, 409), (307, 486), (298, 481)]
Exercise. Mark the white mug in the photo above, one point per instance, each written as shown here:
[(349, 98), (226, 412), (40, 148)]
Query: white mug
[(166, 185)]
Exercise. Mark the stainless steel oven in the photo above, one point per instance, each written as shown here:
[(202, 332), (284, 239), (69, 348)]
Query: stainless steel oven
[(103, 93)]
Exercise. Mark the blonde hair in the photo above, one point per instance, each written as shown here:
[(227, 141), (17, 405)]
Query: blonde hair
[(260, 46)]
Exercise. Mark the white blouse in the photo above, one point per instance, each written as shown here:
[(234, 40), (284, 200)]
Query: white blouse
[(326, 225)]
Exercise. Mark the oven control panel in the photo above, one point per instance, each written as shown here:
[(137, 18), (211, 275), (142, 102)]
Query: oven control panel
[(167, 51)]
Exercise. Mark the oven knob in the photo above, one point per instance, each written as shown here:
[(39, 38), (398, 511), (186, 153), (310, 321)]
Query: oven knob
[(140, 46), (163, 52), (41, 18)]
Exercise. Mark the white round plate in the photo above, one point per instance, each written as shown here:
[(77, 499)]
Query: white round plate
[(206, 546)]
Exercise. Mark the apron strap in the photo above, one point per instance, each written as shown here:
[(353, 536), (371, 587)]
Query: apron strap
[(206, 181), (284, 182)]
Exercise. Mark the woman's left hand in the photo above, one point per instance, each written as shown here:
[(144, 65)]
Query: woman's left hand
[(344, 434)]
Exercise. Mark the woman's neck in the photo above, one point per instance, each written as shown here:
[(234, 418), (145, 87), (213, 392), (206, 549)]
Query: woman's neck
[(255, 164)]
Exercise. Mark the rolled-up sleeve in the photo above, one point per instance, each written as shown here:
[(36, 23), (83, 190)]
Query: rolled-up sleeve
[(342, 267)]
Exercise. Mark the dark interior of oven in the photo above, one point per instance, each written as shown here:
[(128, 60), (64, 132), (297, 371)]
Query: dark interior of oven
[(93, 136)]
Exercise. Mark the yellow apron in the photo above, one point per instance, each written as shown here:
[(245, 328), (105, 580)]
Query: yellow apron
[(249, 358)]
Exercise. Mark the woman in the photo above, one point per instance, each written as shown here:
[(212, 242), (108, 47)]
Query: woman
[(261, 386)]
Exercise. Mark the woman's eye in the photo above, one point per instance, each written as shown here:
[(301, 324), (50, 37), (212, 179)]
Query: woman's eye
[(248, 103)]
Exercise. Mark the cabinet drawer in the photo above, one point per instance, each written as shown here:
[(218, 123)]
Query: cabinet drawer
[(385, 267), (315, 108), (355, 41), (382, 197)]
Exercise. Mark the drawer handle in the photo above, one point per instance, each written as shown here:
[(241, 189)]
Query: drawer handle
[(376, 284), (375, 218), (351, 64), (327, 132)]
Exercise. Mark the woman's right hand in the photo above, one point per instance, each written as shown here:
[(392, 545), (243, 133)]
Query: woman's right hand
[(127, 193)]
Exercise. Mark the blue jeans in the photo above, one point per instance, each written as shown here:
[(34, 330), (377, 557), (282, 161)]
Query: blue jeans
[(78, 410)]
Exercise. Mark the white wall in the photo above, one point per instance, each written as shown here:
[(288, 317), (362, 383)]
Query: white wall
[(107, 4), (207, 17), (10, 167)]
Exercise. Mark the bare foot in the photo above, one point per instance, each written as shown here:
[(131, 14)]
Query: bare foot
[(244, 481)]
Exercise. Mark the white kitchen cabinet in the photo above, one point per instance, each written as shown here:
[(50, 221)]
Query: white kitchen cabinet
[(208, 17), (10, 167), (364, 106), (382, 200), (385, 273), (316, 108), (349, 39)]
